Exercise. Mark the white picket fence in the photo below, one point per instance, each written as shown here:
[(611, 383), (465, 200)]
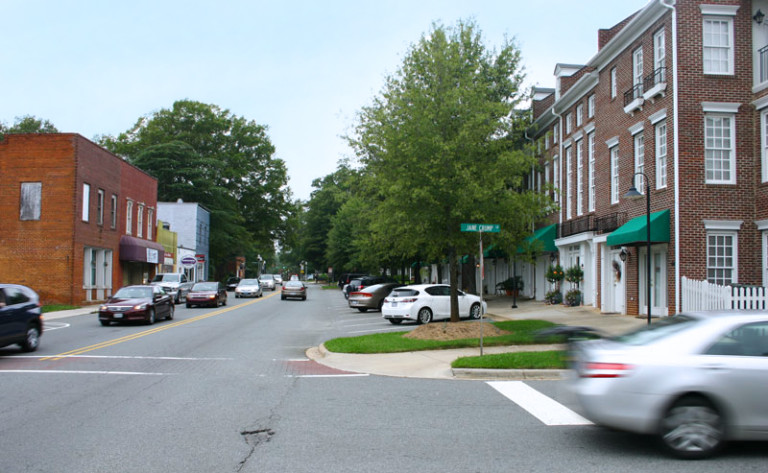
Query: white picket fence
[(702, 295)]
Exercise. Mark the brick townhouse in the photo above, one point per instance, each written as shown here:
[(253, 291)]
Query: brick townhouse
[(676, 94), (78, 221)]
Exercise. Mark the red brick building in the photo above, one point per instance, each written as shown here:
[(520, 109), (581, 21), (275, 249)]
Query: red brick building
[(78, 222), (677, 93)]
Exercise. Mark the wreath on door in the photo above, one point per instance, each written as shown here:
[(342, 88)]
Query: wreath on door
[(617, 270)]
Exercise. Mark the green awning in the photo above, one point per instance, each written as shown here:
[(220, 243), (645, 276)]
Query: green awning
[(546, 235), (634, 231), (493, 252)]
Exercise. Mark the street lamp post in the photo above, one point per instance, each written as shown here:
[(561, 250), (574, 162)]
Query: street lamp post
[(633, 193)]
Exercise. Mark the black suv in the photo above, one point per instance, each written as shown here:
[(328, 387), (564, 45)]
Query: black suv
[(347, 277), (365, 281), (21, 319)]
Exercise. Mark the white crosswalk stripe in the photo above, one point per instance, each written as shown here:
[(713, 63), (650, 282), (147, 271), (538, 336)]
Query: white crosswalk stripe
[(544, 408)]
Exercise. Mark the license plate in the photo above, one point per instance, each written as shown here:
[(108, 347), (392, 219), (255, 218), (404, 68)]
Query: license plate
[(394, 304), (117, 316)]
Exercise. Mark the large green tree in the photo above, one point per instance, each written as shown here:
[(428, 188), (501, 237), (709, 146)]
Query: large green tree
[(204, 154), (28, 124), (442, 145)]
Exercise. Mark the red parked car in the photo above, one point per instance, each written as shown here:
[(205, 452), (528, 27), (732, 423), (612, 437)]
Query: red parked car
[(137, 304), (211, 293)]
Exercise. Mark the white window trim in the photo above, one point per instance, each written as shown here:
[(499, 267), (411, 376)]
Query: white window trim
[(715, 13), (719, 10), (720, 107), (591, 172), (735, 267), (764, 145), (612, 142), (591, 106), (86, 202), (614, 165), (579, 115), (568, 183), (614, 85), (100, 201), (723, 225), (589, 128), (638, 169), (128, 216), (659, 173), (658, 116), (636, 128), (579, 178)]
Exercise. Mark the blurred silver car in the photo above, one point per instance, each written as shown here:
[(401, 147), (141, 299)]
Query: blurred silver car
[(695, 380), (248, 288), (267, 281), (371, 297), (294, 289)]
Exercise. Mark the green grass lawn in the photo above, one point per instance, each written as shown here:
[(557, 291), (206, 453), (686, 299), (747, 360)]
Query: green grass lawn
[(522, 332), (522, 360), (55, 307)]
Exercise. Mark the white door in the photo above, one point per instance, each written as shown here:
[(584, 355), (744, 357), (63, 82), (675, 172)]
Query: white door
[(658, 281), (613, 283)]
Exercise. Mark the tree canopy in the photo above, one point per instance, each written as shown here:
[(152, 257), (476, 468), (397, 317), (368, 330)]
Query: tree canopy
[(28, 124), (201, 153), (442, 145)]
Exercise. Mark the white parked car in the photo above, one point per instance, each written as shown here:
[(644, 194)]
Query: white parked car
[(695, 380), (424, 303), (175, 284)]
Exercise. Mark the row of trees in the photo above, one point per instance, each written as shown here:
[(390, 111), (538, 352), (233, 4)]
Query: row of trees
[(440, 145)]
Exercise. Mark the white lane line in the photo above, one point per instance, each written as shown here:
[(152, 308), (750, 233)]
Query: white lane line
[(122, 357), (49, 326), (124, 373), (355, 375), (379, 330), (544, 408)]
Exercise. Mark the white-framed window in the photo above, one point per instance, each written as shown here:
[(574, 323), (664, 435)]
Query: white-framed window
[(719, 148), (555, 135), (140, 221), (615, 175), (661, 154), (556, 176), (546, 140), (764, 144), (718, 45), (128, 217), (113, 212), (579, 178), (639, 142), (568, 182), (568, 123), (614, 85), (580, 115), (659, 56), (100, 207), (637, 70), (591, 106), (721, 257), (30, 200), (86, 202), (150, 222), (591, 171)]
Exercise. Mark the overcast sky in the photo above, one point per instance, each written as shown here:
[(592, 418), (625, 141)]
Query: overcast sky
[(302, 68)]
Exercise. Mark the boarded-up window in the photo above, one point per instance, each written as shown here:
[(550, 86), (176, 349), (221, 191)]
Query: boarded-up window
[(31, 197)]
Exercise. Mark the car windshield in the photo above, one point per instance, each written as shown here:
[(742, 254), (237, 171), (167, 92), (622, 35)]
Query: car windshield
[(134, 293), (658, 330), (248, 282), (293, 284), (205, 286), (265, 277), (166, 278)]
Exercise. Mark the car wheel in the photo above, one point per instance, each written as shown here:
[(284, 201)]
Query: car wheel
[(104, 323), (224, 302), (692, 428), (424, 316), (32, 341), (474, 311), (282, 298), (151, 319), (362, 309), (171, 310), (177, 299), (304, 298), (395, 321), (189, 305)]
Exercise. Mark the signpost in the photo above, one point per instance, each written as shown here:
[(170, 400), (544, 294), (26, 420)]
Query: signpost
[(480, 228)]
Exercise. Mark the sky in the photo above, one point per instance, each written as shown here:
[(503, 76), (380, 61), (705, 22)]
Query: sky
[(302, 68)]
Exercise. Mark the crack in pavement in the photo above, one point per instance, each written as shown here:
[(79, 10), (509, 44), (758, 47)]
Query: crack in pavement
[(254, 438)]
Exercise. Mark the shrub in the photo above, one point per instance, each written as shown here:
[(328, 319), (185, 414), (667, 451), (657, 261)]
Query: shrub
[(573, 297), (554, 297)]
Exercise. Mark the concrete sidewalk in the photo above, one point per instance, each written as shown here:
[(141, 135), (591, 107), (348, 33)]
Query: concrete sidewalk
[(61, 314), (437, 363)]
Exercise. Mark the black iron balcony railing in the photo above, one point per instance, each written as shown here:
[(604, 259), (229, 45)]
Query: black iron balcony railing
[(610, 222), (763, 57), (636, 92), (659, 76), (578, 225)]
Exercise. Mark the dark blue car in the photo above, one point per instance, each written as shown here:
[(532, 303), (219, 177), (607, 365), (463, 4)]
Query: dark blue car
[(21, 319)]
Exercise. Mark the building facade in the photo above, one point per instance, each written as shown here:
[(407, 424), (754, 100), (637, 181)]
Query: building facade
[(192, 223), (77, 220), (675, 104)]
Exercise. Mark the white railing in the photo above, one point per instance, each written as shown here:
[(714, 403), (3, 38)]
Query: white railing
[(702, 295)]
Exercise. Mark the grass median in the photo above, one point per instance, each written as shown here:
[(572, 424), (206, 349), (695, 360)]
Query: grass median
[(520, 332)]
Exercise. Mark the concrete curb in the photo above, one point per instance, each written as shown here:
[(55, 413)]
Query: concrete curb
[(512, 374)]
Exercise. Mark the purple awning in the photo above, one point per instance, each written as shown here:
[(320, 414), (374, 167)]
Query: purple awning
[(140, 250)]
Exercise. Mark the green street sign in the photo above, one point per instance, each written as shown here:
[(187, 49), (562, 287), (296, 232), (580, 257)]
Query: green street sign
[(481, 227)]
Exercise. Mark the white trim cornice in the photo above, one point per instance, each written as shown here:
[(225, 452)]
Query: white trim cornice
[(723, 224), (720, 107), (762, 225), (721, 10), (658, 116)]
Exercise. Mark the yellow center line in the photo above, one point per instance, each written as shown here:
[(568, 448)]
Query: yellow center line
[(134, 336)]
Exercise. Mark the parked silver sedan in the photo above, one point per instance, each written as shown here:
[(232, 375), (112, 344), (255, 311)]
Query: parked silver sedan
[(695, 380)]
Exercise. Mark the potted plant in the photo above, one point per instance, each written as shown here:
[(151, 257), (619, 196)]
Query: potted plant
[(554, 275), (513, 285), (554, 297), (573, 297)]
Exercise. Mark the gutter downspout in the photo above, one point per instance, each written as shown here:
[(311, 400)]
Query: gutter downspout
[(671, 5), (559, 159)]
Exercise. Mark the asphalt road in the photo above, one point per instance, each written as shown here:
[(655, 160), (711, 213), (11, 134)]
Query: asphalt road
[(231, 390)]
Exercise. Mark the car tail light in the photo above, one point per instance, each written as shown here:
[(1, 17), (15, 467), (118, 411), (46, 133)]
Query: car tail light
[(605, 370), (362, 294), (283, 288)]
